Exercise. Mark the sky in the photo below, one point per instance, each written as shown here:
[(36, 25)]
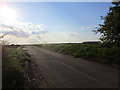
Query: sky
[(51, 22)]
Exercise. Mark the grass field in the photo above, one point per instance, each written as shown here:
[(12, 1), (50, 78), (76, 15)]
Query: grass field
[(98, 52), (13, 68)]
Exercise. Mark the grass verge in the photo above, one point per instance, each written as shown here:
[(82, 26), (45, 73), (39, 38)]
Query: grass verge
[(98, 52), (13, 68)]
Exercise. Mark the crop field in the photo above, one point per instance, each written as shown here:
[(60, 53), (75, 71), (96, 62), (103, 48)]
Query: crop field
[(98, 52)]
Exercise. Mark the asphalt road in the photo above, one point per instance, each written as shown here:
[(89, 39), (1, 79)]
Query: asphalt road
[(62, 71)]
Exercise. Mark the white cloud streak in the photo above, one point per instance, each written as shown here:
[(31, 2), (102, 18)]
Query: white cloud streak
[(69, 33), (88, 27), (24, 30)]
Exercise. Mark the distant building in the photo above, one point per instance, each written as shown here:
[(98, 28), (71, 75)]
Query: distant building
[(91, 42)]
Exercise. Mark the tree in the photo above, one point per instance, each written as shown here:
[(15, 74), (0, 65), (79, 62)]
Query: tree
[(3, 42), (110, 29)]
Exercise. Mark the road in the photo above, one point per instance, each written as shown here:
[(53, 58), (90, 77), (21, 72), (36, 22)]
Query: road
[(62, 71)]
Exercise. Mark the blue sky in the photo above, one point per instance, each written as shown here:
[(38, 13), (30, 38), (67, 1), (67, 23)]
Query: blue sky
[(63, 21)]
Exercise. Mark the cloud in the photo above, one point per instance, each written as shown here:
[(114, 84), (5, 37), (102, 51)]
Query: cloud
[(42, 32), (69, 33), (88, 27), (19, 31), (24, 30)]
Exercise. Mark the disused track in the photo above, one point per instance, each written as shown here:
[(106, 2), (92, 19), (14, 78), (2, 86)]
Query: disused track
[(62, 71)]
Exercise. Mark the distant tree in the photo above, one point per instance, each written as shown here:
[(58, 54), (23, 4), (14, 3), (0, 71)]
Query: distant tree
[(110, 29), (3, 41)]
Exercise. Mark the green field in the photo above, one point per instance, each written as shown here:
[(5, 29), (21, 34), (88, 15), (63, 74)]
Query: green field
[(14, 68), (101, 53)]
